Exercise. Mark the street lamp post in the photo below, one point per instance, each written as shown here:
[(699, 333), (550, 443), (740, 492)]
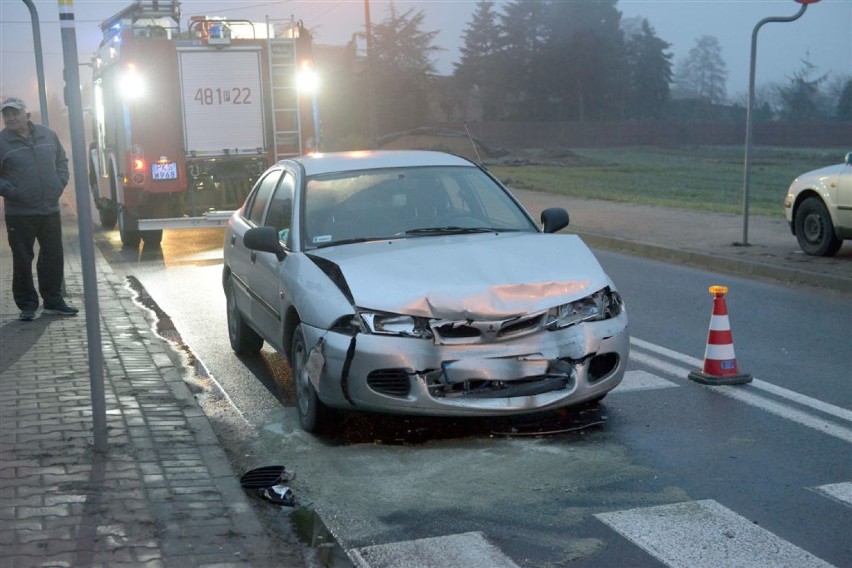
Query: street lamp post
[(750, 106), (39, 60)]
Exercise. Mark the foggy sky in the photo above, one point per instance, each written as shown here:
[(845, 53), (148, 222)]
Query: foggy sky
[(823, 35)]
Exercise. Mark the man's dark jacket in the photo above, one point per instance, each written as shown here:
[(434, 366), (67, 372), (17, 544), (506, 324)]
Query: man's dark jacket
[(33, 172)]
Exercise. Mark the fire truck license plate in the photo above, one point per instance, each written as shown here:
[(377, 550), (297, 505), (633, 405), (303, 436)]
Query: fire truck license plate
[(164, 170)]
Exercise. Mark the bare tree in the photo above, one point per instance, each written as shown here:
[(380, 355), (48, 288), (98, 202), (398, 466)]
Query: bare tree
[(703, 73)]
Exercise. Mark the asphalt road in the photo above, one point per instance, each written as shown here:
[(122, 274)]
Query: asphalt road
[(758, 464)]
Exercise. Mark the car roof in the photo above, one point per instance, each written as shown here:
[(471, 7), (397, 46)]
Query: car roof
[(333, 162)]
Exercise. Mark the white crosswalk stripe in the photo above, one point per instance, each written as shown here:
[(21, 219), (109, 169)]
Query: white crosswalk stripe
[(642, 380), (838, 491), (704, 534)]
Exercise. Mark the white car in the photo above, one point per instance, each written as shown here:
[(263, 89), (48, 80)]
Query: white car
[(413, 282), (818, 208)]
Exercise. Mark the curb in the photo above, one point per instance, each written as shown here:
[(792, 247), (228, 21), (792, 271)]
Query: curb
[(750, 268)]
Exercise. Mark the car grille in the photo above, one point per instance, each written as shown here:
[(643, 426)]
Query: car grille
[(390, 382), (472, 332)]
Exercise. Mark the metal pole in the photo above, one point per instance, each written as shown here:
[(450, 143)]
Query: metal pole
[(39, 59), (750, 109), (371, 79), (84, 220)]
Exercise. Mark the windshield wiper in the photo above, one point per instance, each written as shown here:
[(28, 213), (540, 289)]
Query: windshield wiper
[(450, 230), (350, 241)]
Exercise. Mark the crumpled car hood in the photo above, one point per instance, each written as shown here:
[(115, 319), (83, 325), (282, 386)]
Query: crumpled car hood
[(470, 277)]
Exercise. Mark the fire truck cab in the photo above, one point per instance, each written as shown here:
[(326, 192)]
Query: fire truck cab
[(184, 121)]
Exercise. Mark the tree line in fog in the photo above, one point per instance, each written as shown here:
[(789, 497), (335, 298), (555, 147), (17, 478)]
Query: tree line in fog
[(546, 60)]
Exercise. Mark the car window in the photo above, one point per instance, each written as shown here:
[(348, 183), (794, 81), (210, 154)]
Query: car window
[(492, 205), (280, 210), (393, 202), (261, 197)]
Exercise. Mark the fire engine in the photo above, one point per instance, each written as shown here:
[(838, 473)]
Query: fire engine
[(185, 120)]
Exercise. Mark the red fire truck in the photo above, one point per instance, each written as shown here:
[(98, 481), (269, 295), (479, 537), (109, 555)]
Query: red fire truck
[(185, 120)]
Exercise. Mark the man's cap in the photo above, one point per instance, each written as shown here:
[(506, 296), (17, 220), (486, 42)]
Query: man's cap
[(14, 102)]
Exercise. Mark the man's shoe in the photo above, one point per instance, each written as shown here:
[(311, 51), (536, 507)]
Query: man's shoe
[(63, 310), (27, 315)]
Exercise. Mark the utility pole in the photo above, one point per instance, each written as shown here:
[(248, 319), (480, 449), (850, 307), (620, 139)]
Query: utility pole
[(371, 76)]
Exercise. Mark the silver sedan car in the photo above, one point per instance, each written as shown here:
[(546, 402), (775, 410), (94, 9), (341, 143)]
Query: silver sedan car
[(413, 282)]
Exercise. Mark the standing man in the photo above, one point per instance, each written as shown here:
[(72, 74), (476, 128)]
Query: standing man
[(33, 174)]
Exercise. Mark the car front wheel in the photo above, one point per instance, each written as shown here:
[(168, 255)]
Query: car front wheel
[(814, 229), (244, 340), (314, 416)]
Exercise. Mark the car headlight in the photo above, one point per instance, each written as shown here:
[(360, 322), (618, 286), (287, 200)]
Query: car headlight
[(395, 324), (603, 304)]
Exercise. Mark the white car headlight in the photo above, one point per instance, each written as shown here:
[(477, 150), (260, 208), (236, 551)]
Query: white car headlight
[(601, 305), (395, 324)]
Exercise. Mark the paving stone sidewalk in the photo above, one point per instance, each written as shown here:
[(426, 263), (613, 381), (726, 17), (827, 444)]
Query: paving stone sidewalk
[(164, 494)]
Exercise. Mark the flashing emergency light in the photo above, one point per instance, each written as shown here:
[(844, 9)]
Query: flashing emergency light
[(307, 80), (132, 83)]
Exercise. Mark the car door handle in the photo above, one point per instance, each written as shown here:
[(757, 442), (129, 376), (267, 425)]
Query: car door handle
[(233, 240), (253, 256)]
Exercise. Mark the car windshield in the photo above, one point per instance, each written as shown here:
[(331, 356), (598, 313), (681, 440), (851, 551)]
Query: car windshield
[(412, 202)]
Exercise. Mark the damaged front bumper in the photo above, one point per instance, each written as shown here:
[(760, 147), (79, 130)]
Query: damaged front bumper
[(539, 371)]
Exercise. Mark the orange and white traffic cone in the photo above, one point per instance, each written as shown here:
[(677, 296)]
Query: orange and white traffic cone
[(720, 363)]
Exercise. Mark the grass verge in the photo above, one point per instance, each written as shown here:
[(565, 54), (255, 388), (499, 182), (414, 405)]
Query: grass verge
[(703, 179)]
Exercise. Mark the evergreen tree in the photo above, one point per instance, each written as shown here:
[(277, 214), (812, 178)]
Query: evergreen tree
[(586, 60), (800, 99), (403, 69), (476, 72), (649, 71), (843, 111), (522, 67), (703, 74)]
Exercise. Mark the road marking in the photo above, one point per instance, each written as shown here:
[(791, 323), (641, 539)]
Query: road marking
[(642, 380), (838, 491), (745, 394), (470, 550), (704, 534), (802, 399)]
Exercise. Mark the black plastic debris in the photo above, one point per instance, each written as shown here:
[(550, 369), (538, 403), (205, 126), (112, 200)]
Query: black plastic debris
[(268, 483)]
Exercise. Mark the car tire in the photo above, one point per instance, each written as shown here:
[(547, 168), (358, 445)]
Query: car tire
[(314, 416), (244, 340), (814, 229)]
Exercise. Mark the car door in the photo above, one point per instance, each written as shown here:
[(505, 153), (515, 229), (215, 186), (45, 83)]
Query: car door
[(240, 259), (265, 280)]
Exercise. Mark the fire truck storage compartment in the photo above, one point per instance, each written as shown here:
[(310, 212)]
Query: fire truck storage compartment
[(222, 101)]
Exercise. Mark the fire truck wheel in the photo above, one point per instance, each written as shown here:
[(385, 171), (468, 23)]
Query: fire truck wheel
[(108, 215), (130, 235), (152, 238)]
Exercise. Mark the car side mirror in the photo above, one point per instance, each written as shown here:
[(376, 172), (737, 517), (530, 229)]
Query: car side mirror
[(554, 219), (264, 239)]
